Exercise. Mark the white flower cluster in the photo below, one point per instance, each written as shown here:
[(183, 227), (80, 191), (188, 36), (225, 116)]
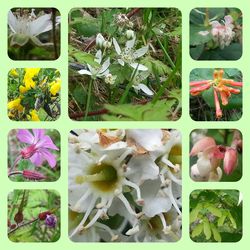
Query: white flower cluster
[(222, 34), (125, 185)]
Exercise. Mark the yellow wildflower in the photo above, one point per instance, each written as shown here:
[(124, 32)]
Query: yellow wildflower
[(13, 73), (55, 86), (22, 89), (34, 115), (15, 104), (30, 73)]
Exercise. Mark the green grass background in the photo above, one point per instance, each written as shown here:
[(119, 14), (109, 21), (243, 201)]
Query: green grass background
[(185, 124)]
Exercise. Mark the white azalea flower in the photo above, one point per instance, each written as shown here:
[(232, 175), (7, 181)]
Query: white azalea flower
[(99, 71), (128, 55), (28, 26)]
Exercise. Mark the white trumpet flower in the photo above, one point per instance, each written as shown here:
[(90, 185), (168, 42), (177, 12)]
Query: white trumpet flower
[(128, 55)]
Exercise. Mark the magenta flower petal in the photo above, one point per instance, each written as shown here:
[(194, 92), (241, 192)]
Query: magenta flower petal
[(24, 135), (38, 134), (46, 142), (51, 159), (37, 159)]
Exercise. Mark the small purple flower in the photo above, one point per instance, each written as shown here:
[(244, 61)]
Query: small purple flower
[(50, 220), (38, 151)]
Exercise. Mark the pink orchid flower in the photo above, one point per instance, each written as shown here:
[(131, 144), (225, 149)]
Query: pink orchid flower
[(39, 144)]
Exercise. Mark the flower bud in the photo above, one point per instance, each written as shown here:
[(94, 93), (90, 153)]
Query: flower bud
[(230, 160), (18, 217), (106, 44), (51, 220), (203, 144), (99, 40), (130, 34), (43, 215), (33, 175)]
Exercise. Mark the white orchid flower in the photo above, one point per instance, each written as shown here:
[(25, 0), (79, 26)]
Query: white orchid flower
[(28, 27), (128, 55), (99, 71), (137, 85)]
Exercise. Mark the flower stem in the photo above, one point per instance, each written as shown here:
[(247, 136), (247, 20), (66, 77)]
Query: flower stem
[(164, 51), (88, 98), (15, 162), (128, 87)]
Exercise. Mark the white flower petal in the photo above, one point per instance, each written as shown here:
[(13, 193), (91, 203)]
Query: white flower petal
[(98, 56), (140, 52), (117, 47), (150, 139), (84, 72), (12, 21), (105, 66), (145, 89), (138, 66), (121, 62), (203, 32), (141, 168), (41, 25), (130, 44)]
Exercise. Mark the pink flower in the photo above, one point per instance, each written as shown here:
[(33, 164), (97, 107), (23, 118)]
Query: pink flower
[(230, 160), (39, 144)]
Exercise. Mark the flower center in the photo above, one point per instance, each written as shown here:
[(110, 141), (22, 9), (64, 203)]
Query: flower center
[(28, 151), (103, 177), (155, 225), (175, 154)]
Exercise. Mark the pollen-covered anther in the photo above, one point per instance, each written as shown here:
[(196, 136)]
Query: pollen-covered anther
[(124, 167), (139, 215), (167, 230), (114, 238), (140, 202), (133, 230), (177, 168), (104, 216)]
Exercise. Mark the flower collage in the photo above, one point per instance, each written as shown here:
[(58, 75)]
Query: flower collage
[(124, 124)]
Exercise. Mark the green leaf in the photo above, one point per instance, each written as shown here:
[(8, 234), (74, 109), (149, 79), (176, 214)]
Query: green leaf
[(86, 26), (194, 213), (215, 211), (207, 229), (221, 220), (147, 112), (197, 230), (234, 225), (152, 64), (82, 57), (196, 38), (216, 233)]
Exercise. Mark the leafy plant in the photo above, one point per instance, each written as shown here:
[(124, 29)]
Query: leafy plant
[(34, 94), (216, 34), (127, 58), (33, 216), (215, 216)]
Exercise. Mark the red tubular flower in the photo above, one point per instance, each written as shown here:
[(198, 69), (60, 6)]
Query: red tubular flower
[(224, 98), (231, 82), (230, 160), (200, 88), (217, 105), (198, 83)]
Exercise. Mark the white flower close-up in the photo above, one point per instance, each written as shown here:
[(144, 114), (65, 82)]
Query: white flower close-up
[(97, 71), (128, 54), (124, 185), (28, 26)]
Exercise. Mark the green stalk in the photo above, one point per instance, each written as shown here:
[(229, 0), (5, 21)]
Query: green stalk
[(164, 51), (88, 98), (170, 78), (128, 87)]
